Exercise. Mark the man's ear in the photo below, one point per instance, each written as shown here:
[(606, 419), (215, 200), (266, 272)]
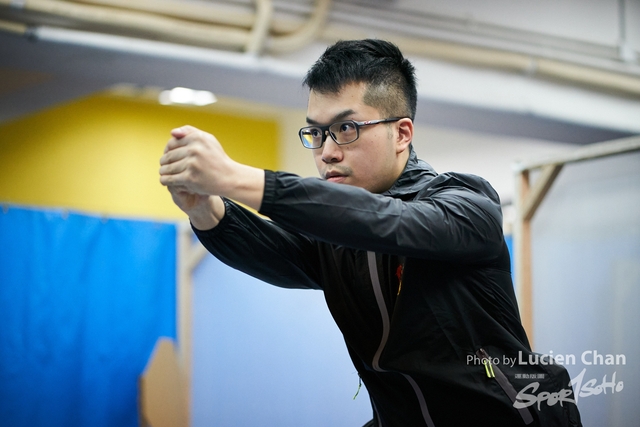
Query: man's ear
[(405, 135)]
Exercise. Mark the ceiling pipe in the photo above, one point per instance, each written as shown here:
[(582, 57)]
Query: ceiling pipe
[(201, 12), (180, 30), (260, 30), (175, 29), (502, 60), (625, 52), (260, 22), (178, 52), (13, 27), (586, 76), (306, 34)]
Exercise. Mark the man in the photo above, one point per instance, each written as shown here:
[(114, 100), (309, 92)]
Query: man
[(413, 264)]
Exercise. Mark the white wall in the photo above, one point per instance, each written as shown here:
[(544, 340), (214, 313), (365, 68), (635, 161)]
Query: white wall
[(265, 356), (586, 282)]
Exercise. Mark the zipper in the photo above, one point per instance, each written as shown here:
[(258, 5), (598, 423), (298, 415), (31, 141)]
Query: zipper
[(493, 371), (400, 275), (382, 307), (375, 363)]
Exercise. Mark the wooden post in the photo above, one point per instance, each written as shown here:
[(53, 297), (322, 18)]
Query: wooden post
[(189, 256), (528, 199), (522, 249)]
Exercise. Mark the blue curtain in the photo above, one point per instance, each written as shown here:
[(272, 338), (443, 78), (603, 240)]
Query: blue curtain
[(83, 300)]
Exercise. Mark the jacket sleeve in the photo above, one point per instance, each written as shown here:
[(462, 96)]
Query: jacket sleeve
[(262, 249), (452, 220)]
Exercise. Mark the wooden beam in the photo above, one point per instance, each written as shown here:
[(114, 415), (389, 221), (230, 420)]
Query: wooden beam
[(542, 185), (587, 152)]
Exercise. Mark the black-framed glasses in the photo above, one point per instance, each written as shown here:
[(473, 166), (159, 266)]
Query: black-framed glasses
[(344, 132)]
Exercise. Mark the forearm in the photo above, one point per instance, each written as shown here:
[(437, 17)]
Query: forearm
[(246, 185), (262, 249)]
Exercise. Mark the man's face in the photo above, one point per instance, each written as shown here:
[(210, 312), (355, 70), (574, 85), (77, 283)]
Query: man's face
[(370, 162)]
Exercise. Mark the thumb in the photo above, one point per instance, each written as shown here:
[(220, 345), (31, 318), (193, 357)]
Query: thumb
[(183, 131)]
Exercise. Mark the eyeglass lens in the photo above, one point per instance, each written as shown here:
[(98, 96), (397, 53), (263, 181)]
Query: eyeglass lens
[(341, 132)]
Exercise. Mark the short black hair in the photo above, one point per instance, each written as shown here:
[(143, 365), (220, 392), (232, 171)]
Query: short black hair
[(389, 77)]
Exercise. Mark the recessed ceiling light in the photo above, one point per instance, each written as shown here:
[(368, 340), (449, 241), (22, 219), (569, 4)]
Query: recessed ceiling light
[(183, 95)]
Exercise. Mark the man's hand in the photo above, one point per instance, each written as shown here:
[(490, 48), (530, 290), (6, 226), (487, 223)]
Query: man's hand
[(205, 212), (195, 162), (187, 201), (195, 169)]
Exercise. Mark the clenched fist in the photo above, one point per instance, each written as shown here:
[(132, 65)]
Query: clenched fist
[(196, 169), (195, 162)]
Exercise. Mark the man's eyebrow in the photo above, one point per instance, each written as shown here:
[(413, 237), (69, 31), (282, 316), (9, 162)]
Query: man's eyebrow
[(342, 115)]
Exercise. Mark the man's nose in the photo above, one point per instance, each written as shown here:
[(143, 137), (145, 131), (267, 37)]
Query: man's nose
[(331, 152)]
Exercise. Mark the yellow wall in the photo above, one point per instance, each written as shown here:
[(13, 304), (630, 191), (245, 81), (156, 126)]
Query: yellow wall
[(100, 154)]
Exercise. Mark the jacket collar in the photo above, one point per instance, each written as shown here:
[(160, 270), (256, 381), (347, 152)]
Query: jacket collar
[(417, 173)]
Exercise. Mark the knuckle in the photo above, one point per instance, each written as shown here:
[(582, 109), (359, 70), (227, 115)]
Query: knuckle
[(193, 150)]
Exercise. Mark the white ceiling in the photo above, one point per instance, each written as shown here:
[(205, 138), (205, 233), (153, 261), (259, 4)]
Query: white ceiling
[(471, 112), (596, 33)]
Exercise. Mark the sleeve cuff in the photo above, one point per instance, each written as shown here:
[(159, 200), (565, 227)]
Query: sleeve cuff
[(269, 192), (226, 219)]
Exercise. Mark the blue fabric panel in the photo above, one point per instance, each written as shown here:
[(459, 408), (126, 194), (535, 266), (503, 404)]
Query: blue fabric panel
[(82, 302), (509, 241)]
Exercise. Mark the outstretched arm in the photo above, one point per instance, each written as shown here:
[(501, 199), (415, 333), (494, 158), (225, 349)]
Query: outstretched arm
[(453, 218)]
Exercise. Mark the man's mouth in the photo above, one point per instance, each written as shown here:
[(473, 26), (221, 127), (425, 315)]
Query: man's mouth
[(335, 177)]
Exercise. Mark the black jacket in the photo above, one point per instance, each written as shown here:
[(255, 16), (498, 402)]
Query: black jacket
[(417, 279)]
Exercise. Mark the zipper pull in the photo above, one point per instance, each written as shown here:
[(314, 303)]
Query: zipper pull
[(359, 386), (489, 368), (486, 361)]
